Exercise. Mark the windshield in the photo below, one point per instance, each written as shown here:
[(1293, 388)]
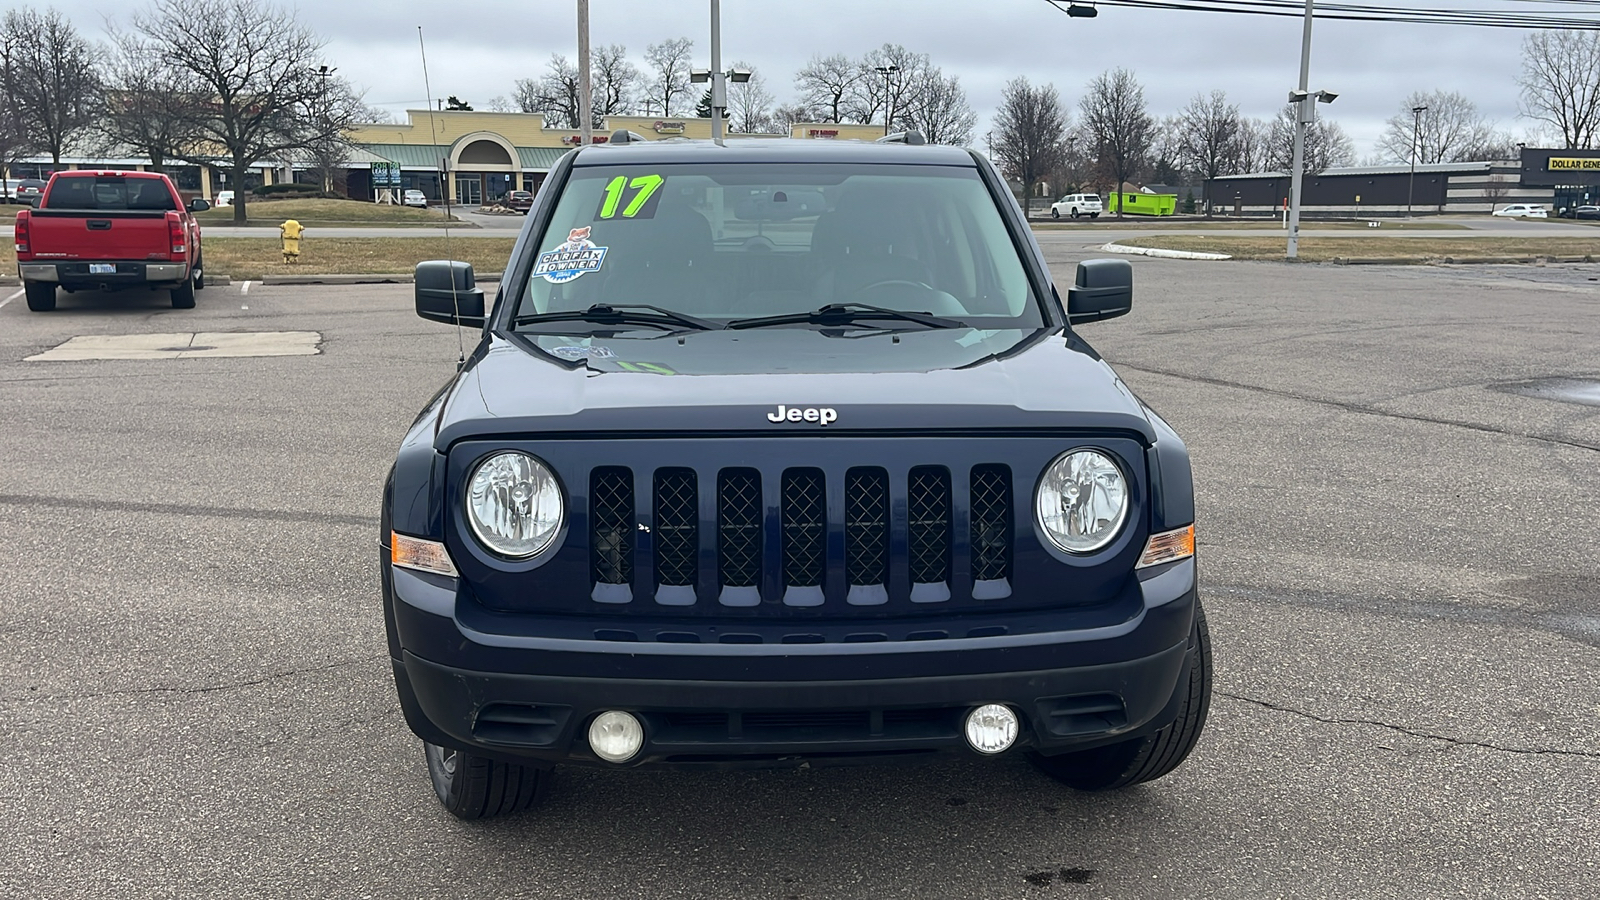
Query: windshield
[(729, 242)]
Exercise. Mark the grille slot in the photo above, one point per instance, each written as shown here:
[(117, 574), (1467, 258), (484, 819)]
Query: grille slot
[(611, 526), (805, 532), (739, 527), (677, 534), (991, 523), (866, 526), (928, 532)]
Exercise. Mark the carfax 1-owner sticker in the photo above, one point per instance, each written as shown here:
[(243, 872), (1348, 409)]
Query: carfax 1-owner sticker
[(576, 256)]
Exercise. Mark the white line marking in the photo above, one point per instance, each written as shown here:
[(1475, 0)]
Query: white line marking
[(12, 297), (244, 287)]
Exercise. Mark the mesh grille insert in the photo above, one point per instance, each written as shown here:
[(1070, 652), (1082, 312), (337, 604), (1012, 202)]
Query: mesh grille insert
[(991, 522), (928, 524), (739, 527), (805, 526), (611, 525), (866, 526), (677, 526)]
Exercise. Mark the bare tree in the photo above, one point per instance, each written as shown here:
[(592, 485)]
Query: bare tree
[(150, 104), (51, 75), (750, 103), (553, 94), (786, 115), (1207, 133), (887, 92), (15, 141), (1326, 144), (1114, 115), (257, 67), (1255, 142), (1028, 139), (616, 82), (939, 109), (326, 152), (1561, 83), (1448, 130), (826, 84), (500, 103), (669, 63)]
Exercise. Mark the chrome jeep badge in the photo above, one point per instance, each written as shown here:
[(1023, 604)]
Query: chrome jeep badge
[(821, 415)]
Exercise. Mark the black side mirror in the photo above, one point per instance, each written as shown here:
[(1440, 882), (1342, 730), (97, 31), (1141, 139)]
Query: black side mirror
[(446, 292), (1104, 290), (199, 204)]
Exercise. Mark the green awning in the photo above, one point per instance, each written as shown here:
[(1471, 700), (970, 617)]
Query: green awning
[(427, 156), (539, 159)]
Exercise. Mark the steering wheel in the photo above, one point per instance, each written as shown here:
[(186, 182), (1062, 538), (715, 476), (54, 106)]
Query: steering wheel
[(889, 281)]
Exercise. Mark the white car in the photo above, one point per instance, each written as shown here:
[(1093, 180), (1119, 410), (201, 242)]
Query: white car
[(1076, 205), (224, 198), (1524, 211), (414, 198)]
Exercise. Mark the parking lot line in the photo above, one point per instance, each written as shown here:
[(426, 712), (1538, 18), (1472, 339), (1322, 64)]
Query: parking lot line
[(11, 298)]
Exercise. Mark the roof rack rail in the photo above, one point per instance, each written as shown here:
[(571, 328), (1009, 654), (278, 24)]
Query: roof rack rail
[(913, 138), (624, 136)]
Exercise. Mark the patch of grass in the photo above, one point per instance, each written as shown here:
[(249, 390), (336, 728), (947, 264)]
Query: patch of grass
[(323, 212), (252, 258), (1410, 249)]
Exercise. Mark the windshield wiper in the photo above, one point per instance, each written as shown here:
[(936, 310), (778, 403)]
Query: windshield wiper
[(622, 314), (847, 314)]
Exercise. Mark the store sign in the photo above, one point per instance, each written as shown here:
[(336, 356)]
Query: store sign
[(1574, 164), (573, 140), (823, 133), (669, 127), (385, 175)]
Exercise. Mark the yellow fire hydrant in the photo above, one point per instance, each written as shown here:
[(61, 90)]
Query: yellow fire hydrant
[(291, 231)]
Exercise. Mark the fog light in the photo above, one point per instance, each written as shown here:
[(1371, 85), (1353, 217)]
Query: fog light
[(617, 736), (991, 729)]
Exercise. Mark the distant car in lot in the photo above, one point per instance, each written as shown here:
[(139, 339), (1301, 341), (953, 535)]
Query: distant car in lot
[(1076, 205), (1523, 211), (224, 198), (28, 191), (521, 201), (1579, 212), (414, 198)]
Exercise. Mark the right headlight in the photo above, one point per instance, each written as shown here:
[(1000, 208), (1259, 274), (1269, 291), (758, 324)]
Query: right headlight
[(1082, 501), (514, 504)]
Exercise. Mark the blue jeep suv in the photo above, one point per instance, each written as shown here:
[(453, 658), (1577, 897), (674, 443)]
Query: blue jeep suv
[(786, 452)]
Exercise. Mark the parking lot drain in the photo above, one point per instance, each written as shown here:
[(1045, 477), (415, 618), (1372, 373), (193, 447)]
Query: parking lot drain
[(184, 345), (1566, 390)]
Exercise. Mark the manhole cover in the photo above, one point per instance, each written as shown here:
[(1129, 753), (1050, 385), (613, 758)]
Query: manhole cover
[(1566, 390)]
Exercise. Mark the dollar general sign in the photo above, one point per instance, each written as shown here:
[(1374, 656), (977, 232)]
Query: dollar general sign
[(1574, 164)]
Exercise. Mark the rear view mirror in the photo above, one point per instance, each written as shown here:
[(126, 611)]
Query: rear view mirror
[(199, 205), (1104, 290), (446, 292)]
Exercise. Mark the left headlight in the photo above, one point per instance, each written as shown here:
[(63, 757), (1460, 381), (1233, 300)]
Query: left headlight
[(1082, 501), (514, 504)]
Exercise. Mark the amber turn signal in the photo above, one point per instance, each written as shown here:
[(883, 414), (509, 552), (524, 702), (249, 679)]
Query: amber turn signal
[(424, 556), (1168, 546)]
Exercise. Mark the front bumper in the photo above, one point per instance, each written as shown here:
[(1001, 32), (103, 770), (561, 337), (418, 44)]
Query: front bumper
[(532, 699)]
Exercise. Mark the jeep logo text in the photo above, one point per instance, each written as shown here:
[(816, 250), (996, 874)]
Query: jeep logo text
[(822, 416)]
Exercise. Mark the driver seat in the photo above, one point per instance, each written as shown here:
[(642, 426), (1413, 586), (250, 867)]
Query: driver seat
[(868, 238)]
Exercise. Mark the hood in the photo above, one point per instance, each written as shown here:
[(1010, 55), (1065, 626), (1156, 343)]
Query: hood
[(755, 380)]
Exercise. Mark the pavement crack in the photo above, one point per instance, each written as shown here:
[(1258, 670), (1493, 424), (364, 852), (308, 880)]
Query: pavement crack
[(201, 689), (1412, 732), (1357, 408)]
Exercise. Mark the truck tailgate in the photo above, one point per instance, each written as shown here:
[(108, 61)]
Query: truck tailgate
[(128, 235)]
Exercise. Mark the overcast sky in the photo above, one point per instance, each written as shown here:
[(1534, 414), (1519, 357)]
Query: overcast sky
[(478, 48)]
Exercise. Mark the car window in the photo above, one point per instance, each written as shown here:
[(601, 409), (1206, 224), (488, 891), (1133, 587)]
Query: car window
[(107, 193), (735, 241)]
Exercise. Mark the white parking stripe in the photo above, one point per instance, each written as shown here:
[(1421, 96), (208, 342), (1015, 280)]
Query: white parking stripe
[(12, 297), (244, 287)]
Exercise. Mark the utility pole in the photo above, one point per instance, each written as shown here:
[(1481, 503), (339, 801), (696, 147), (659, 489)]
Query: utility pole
[(1298, 100), (1416, 129), (585, 114), (719, 80), (888, 92)]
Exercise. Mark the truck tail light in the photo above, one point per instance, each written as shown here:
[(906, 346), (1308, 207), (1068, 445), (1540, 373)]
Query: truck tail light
[(180, 238), (22, 233)]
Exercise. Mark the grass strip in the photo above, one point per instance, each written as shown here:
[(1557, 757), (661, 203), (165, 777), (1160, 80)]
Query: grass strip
[(253, 258), (1330, 249), (323, 212)]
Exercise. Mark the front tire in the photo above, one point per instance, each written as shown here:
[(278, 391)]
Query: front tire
[(1055, 213), (1148, 758), (41, 295), (472, 787)]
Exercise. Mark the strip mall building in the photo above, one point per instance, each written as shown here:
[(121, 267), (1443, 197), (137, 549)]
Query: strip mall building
[(1558, 179)]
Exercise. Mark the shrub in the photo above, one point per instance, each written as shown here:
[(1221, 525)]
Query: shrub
[(267, 190)]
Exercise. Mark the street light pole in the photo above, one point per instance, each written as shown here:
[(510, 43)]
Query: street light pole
[(1301, 98), (719, 80), (888, 89), (1416, 129), (585, 113)]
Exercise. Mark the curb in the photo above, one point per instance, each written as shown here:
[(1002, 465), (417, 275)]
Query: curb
[(378, 278), (1162, 254)]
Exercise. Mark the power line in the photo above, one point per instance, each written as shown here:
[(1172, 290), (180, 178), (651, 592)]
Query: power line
[(1484, 18)]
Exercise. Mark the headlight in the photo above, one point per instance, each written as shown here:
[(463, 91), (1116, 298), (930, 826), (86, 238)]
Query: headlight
[(1082, 501), (514, 504)]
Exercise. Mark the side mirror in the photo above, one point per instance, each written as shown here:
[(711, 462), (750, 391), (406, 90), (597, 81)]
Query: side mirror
[(199, 204), (446, 292), (1104, 290)]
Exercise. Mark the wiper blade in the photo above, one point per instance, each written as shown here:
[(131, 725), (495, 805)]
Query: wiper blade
[(847, 314), (622, 314)]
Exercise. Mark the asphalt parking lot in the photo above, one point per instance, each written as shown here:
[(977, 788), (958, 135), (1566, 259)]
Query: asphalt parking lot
[(1398, 561)]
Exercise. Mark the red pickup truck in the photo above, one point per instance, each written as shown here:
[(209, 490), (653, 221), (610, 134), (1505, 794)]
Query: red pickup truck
[(110, 231)]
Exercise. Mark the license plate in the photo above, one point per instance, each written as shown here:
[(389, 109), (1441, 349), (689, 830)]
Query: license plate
[(102, 268)]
